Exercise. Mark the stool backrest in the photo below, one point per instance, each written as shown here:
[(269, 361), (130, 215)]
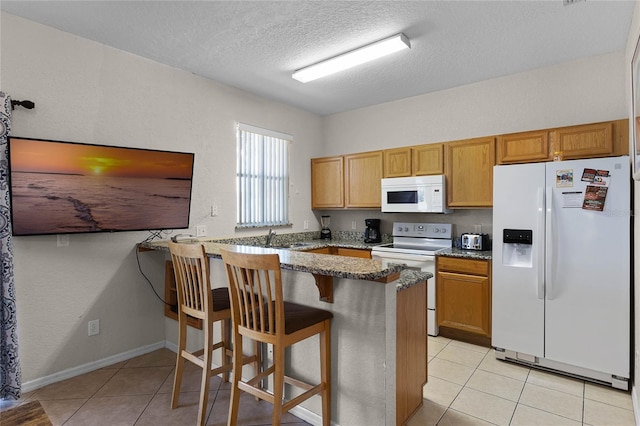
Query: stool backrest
[(255, 287), (191, 267)]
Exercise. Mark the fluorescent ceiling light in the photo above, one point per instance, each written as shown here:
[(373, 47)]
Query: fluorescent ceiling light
[(351, 59)]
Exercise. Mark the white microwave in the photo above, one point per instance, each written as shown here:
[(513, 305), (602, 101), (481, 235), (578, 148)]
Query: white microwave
[(416, 194)]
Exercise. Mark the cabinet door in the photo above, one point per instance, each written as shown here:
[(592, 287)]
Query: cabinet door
[(322, 250), (463, 302), (397, 162), (585, 141), (363, 173), (428, 159), (327, 182), (362, 253), (527, 147), (469, 172)]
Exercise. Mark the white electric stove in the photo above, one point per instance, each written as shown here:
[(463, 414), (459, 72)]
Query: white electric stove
[(415, 244)]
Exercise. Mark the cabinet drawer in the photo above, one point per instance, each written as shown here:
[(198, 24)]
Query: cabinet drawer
[(467, 266)]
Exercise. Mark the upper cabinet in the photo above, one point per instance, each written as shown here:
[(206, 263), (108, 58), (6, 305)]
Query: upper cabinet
[(363, 174), (351, 181), (606, 139), (526, 147), (397, 162), (428, 159), (591, 140), (327, 182), (417, 160), (469, 172)]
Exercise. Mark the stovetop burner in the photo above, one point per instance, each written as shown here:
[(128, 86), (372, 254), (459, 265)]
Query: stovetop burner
[(418, 238)]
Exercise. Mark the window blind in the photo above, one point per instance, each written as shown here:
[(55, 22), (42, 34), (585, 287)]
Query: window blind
[(262, 177)]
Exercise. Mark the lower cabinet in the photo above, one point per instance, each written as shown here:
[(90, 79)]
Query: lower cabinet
[(463, 299), (342, 251)]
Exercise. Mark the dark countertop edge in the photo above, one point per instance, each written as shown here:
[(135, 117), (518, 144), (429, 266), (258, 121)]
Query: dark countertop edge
[(465, 254), (408, 278)]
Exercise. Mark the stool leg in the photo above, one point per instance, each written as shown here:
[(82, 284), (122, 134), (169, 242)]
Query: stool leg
[(182, 344), (206, 373), (278, 383), (325, 372), (237, 376), (225, 331)]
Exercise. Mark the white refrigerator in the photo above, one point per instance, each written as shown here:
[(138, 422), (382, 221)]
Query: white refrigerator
[(561, 267)]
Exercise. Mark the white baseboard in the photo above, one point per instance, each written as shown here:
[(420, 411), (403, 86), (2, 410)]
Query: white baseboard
[(90, 366), (636, 409)]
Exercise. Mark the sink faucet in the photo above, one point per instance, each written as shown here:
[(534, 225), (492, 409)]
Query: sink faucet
[(270, 235)]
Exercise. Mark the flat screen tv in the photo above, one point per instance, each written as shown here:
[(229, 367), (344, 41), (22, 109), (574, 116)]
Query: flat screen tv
[(61, 187)]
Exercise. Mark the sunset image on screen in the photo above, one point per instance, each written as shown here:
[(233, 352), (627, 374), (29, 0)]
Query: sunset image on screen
[(67, 158), (63, 187)]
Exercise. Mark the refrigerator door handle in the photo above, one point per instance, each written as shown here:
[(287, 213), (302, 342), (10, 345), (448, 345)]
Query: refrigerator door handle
[(548, 245), (540, 244)]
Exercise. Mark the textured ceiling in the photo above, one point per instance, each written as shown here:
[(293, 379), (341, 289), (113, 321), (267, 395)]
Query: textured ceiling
[(256, 45)]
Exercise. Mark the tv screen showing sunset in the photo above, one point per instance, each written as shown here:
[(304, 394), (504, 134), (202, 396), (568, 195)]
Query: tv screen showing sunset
[(63, 187)]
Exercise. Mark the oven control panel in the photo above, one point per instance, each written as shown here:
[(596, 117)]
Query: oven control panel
[(424, 230)]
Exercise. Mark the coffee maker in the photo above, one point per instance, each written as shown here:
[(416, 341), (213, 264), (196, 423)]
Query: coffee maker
[(372, 231), (325, 232)]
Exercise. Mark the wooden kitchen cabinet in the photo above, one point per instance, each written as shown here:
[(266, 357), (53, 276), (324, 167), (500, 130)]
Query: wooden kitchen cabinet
[(327, 182), (362, 179), (397, 162), (351, 252), (463, 301), (525, 147), (469, 172), (417, 160), (427, 159), (342, 251), (585, 141)]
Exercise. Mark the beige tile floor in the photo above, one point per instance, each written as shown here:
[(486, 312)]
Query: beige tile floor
[(468, 386), (138, 392)]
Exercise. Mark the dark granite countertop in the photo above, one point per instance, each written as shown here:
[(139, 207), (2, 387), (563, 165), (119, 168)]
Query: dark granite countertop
[(465, 254), (293, 257)]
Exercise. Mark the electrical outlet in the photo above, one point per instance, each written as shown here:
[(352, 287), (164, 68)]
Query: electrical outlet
[(201, 231), (270, 352), (94, 327), (354, 225), (306, 224), (63, 240)]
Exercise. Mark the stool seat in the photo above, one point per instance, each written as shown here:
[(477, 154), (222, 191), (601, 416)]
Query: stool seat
[(221, 299)]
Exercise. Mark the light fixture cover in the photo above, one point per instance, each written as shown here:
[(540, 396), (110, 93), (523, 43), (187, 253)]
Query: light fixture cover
[(355, 57)]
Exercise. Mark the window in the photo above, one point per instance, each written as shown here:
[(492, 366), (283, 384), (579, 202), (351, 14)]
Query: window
[(262, 179)]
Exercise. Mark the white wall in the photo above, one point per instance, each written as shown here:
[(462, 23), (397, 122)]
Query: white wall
[(634, 33), (584, 91), (87, 92)]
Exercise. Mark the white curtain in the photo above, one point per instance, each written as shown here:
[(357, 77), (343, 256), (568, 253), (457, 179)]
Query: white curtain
[(10, 373)]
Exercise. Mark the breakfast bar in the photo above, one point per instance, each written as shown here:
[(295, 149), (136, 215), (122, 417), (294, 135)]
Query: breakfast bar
[(378, 336)]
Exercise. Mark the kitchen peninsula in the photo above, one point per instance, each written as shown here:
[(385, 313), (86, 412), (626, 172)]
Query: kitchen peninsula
[(378, 336)]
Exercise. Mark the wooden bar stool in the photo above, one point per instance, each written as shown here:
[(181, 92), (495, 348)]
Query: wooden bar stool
[(257, 277), (197, 299)]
